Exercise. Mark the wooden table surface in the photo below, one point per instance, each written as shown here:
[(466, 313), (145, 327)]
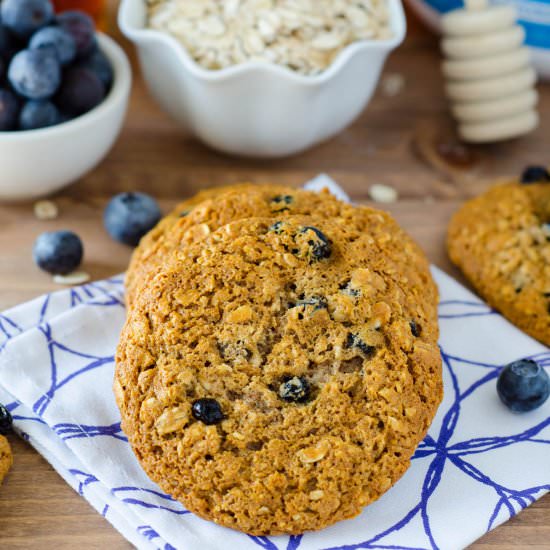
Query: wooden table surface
[(405, 141)]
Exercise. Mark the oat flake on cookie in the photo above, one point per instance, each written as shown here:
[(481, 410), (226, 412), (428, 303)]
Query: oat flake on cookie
[(302, 35)]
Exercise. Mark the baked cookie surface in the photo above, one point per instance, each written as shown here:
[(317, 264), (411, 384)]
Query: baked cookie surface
[(501, 241), (153, 245), (6, 459), (278, 376), (194, 221)]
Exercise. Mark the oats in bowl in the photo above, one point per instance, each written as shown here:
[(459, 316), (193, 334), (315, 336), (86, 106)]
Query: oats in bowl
[(302, 35)]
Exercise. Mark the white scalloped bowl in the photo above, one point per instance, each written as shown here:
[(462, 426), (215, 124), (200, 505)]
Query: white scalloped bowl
[(35, 163), (258, 109)]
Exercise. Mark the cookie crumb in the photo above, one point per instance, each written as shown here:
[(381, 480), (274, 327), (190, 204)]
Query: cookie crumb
[(74, 278), (379, 192), (45, 210)]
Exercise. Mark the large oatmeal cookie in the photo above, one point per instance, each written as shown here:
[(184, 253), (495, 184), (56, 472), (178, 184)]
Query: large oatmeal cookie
[(501, 241), (278, 376)]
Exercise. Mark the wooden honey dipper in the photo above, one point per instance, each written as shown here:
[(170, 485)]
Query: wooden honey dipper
[(490, 80)]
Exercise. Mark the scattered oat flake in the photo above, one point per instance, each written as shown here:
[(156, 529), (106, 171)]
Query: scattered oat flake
[(379, 192), (71, 279), (392, 84), (46, 210)]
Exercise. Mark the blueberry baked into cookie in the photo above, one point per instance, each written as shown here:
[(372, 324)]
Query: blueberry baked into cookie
[(278, 376), (501, 241)]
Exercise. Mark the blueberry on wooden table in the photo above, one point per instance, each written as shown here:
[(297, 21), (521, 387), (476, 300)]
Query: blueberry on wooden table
[(523, 385), (38, 114), (23, 17), (207, 410), (129, 216), (57, 40), (535, 174), (6, 421), (9, 110), (58, 252), (35, 74)]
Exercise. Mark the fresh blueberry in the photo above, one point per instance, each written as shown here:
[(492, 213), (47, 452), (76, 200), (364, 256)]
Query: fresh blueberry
[(523, 385), (35, 74), (23, 17), (354, 341), (128, 216), (6, 421), (98, 63), (535, 174), (8, 44), (416, 329), (81, 27), (9, 110), (319, 244), (80, 91), (294, 389), (207, 410), (58, 252), (38, 114), (59, 41)]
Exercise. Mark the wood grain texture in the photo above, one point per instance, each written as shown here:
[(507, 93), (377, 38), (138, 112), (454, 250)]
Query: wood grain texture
[(396, 141)]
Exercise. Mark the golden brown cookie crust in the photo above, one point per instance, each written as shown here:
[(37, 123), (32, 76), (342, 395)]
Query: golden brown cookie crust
[(212, 209), (261, 301), (155, 245), (501, 244), (6, 459)]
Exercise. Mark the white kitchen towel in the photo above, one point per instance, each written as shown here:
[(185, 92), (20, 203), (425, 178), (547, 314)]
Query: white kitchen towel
[(479, 465)]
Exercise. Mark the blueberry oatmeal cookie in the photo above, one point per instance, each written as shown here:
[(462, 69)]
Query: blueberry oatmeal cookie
[(501, 241), (278, 376)]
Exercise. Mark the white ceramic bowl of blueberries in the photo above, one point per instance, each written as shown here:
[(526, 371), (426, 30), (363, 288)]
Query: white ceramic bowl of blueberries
[(63, 100)]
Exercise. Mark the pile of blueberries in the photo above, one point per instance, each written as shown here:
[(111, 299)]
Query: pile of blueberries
[(51, 69)]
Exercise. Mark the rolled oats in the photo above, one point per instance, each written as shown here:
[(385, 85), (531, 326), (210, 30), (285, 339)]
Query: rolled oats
[(302, 35), (45, 210)]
